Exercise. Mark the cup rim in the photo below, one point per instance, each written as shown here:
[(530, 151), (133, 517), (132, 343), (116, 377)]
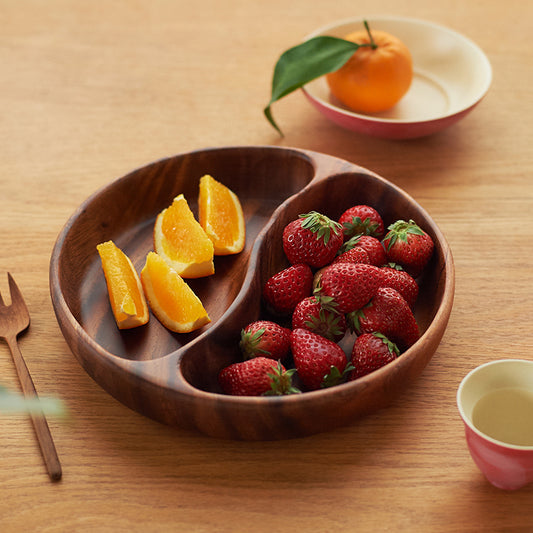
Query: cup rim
[(466, 419)]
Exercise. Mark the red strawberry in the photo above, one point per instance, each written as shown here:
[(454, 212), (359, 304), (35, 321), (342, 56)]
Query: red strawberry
[(354, 255), (410, 246), (401, 281), (319, 361), (259, 376), (265, 338), (350, 285), (318, 314), (286, 288), (313, 239), (372, 246), (370, 352), (362, 220), (387, 313)]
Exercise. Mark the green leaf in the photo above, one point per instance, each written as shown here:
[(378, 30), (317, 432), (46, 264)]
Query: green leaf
[(305, 62), (14, 403)]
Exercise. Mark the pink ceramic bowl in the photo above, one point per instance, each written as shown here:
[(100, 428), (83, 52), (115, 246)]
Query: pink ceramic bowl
[(451, 76), (506, 466)]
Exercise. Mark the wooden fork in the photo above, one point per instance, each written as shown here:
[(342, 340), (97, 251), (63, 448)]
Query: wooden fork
[(15, 319)]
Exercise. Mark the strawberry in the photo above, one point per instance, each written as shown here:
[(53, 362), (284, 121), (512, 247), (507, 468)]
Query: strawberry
[(362, 220), (396, 278), (410, 246), (370, 352), (316, 279), (318, 314), (387, 313), (265, 338), (372, 246), (259, 376), (350, 285), (313, 239), (354, 255), (319, 362), (286, 288)]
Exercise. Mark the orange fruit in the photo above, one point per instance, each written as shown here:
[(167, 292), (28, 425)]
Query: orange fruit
[(374, 79), (172, 301), (220, 215), (180, 240), (123, 286)]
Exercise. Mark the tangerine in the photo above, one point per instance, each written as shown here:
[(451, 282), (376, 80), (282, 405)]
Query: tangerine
[(181, 241), (172, 301), (123, 286), (378, 74), (220, 215)]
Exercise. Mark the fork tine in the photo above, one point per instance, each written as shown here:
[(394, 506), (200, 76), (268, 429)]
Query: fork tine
[(16, 296)]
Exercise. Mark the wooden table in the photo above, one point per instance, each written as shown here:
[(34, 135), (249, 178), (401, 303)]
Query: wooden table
[(92, 90)]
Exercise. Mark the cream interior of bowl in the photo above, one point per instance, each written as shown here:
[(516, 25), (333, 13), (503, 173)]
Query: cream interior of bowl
[(499, 374), (451, 73)]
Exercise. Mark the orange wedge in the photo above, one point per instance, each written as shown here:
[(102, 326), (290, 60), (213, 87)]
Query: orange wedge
[(181, 242), (172, 301), (123, 286), (220, 214)]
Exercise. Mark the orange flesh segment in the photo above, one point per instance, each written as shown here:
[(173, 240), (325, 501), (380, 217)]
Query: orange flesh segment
[(221, 216), (181, 241), (123, 286), (172, 301)]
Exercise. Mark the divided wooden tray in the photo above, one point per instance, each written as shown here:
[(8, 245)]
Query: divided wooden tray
[(171, 377)]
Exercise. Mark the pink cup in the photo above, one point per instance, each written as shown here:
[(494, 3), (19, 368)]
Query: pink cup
[(506, 465)]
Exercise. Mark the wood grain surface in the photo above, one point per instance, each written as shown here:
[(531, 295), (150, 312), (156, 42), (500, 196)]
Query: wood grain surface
[(93, 90)]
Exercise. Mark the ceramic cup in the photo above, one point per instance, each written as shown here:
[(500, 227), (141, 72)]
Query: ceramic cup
[(495, 401)]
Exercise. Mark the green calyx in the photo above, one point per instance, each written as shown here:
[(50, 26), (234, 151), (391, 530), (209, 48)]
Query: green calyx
[(281, 382), (321, 225), (400, 230), (326, 324), (335, 376), (357, 226), (395, 266), (249, 344), (327, 303), (308, 61), (391, 346), (349, 244), (353, 320)]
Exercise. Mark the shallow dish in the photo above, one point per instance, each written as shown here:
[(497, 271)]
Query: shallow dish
[(173, 378), (451, 76)]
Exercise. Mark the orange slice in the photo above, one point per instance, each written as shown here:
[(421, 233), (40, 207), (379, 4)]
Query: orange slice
[(123, 286), (172, 301), (180, 240), (220, 214)]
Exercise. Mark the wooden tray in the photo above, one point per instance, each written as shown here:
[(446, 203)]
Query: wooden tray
[(172, 377)]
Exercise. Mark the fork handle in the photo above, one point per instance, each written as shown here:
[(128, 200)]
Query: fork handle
[(40, 425)]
